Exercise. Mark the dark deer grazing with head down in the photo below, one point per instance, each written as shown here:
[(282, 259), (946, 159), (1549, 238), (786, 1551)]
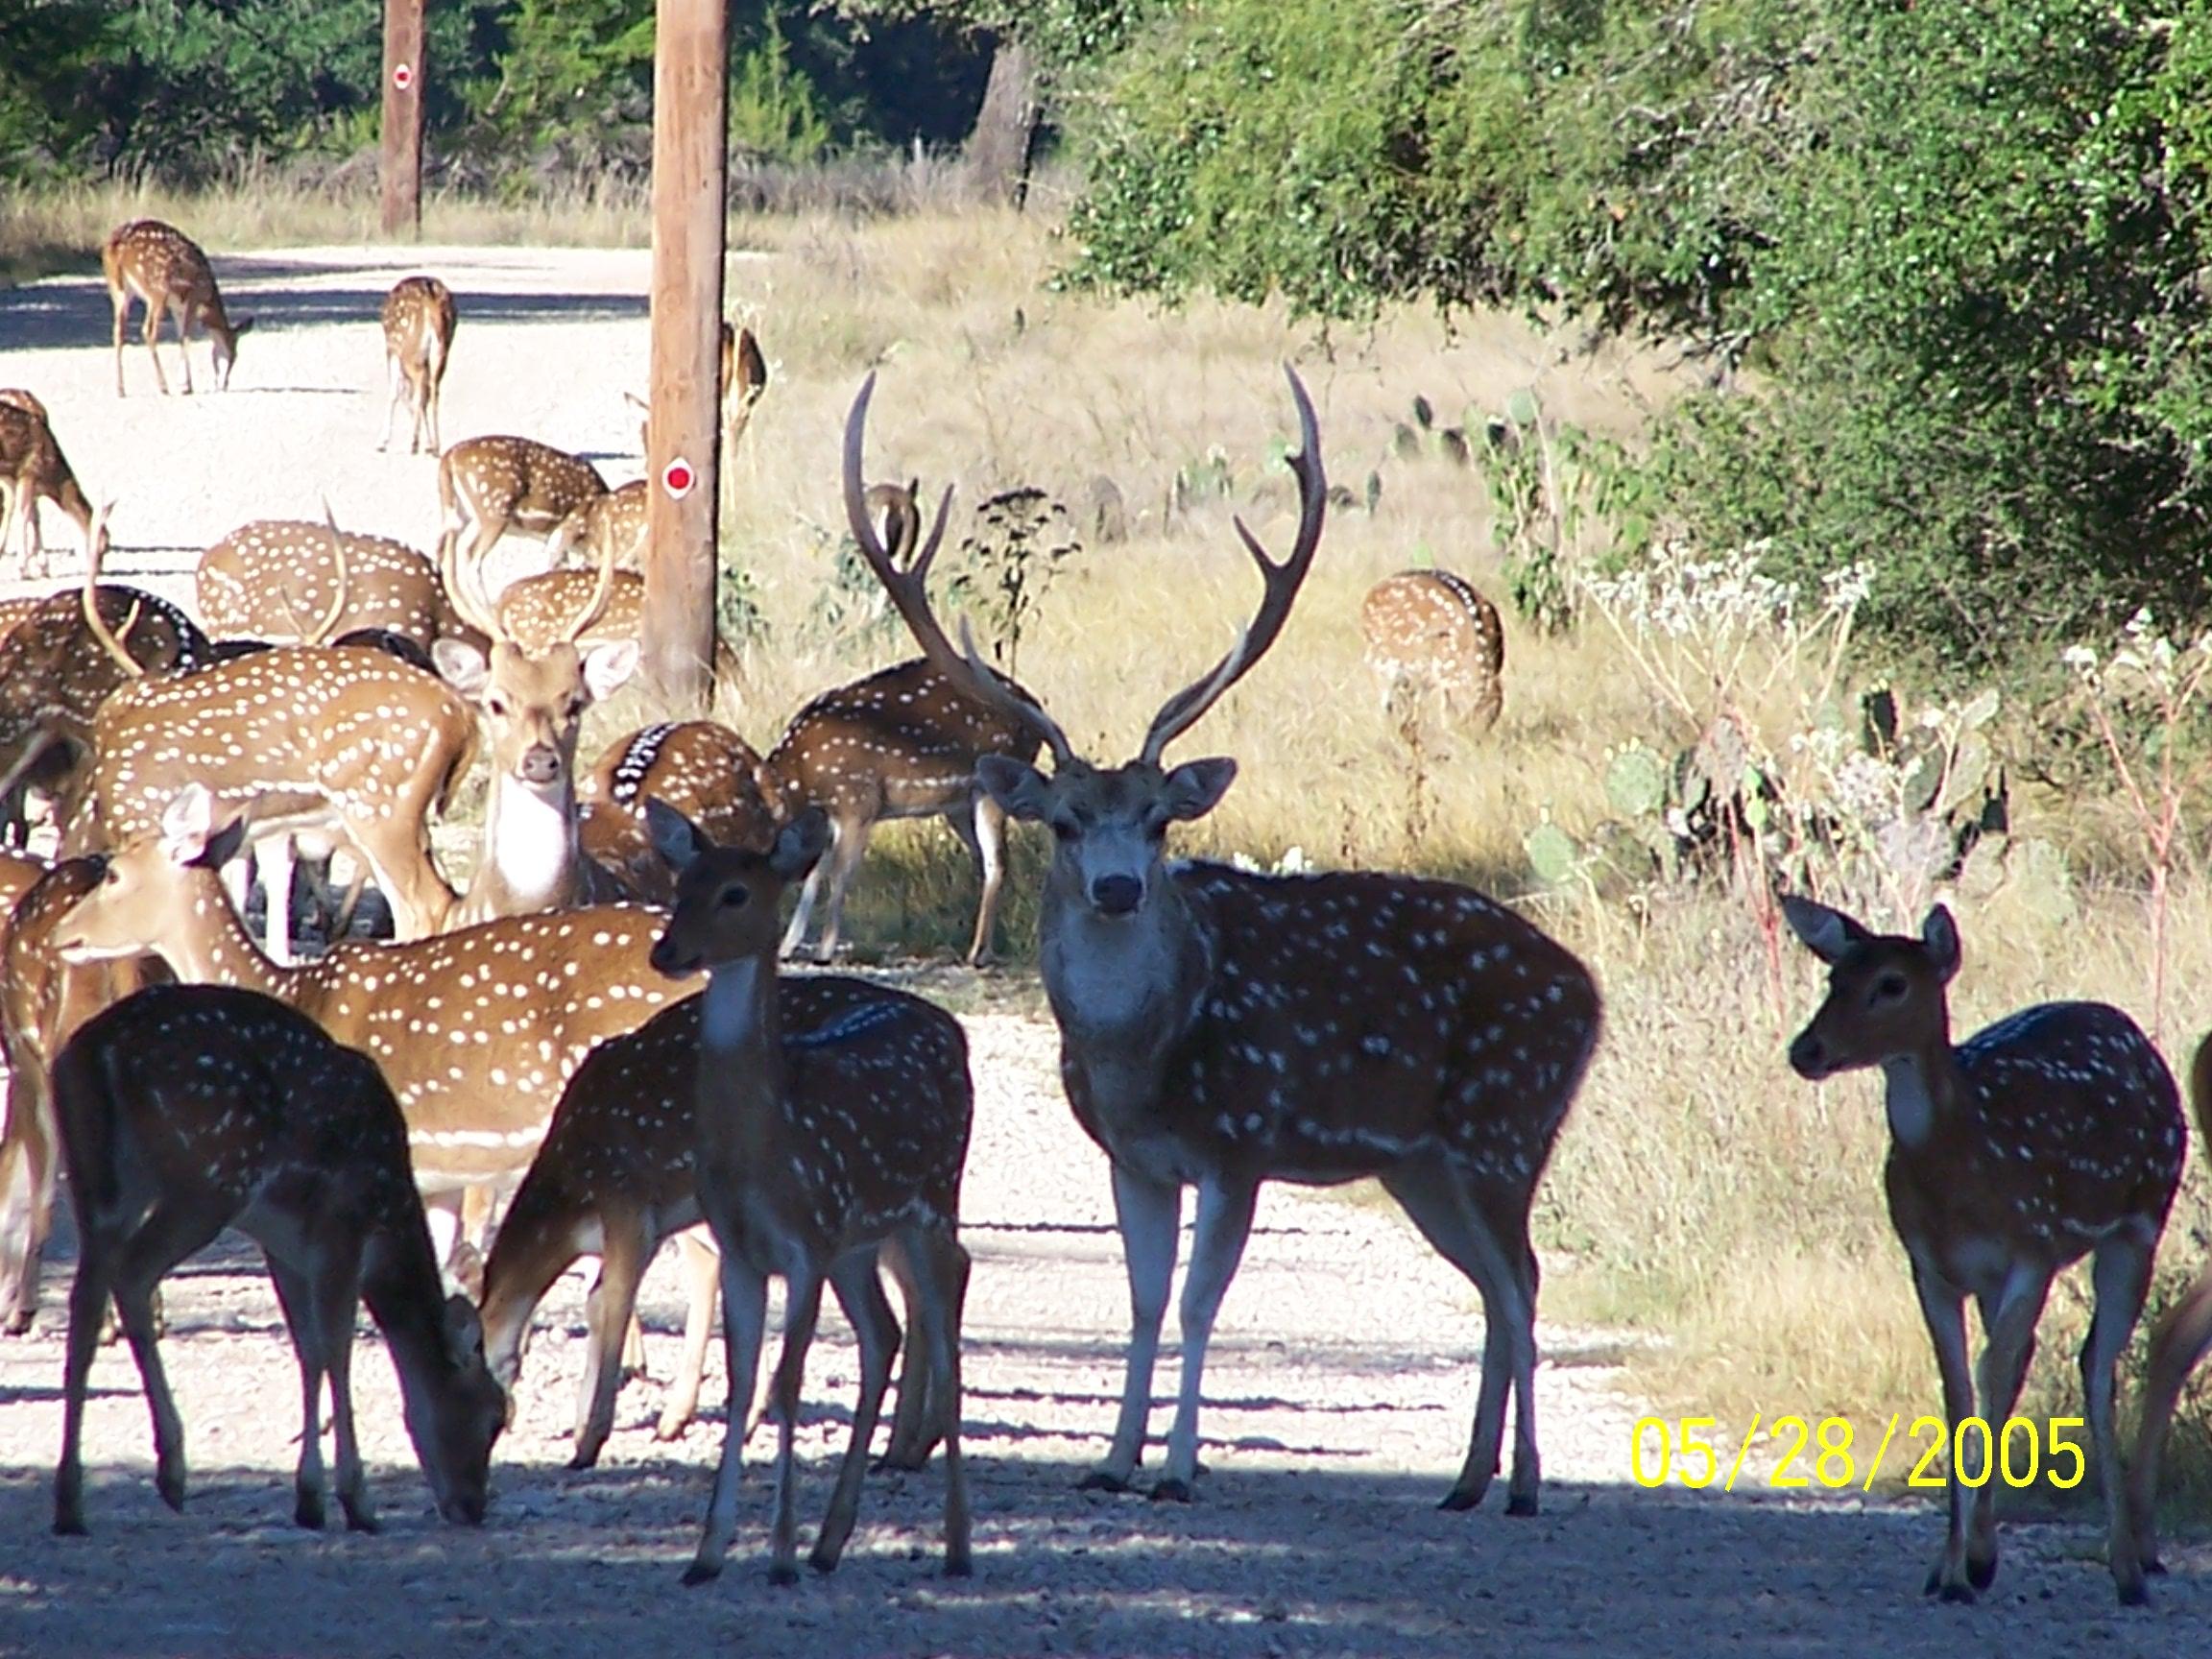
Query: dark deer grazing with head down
[(615, 1178), (189, 1107), (1220, 1029), (903, 742), (2053, 1132), (811, 1153)]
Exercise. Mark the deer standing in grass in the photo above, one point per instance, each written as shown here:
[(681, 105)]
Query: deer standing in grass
[(810, 1157), (615, 1178), (1220, 1029), (189, 1107), (158, 264), (2055, 1133), (32, 468), (1433, 631), (419, 320)]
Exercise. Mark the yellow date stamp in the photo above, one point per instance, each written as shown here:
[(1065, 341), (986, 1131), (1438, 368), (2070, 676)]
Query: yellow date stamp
[(1826, 1452)]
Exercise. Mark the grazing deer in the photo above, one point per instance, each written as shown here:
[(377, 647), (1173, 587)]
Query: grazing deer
[(741, 377), (189, 1107), (266, 577), (707, 772), (418, 338), (477, 1031), (158, 264), (613, 522), (903, 742), (1219, 1028), (532, 702), (489, 487), (536, 610), (2053, 1132), (615, 1177), (32, 468), (810, 1154), (1430, 630)]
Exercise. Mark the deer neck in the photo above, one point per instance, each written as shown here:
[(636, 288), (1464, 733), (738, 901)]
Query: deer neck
[(1124, 989), (214, 948), (531, 853), (1921, 1093), (404, 1294), (741, 1073)]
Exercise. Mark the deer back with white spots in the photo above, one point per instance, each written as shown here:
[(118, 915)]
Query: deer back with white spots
[(2053, 1134), (272, 578), (809, 1156), (492, 487), (1432, 631), (418, 319), (1222, 1030), (188, 1108), (158, 265), (706, 771)]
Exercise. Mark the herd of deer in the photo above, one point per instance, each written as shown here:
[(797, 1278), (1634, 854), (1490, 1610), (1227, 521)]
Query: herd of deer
[(596, 1024)]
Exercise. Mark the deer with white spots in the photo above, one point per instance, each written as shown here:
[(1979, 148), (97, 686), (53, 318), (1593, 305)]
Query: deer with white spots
[(811, 1153), (903, 742), (611, 524), (615, 1178), (1220, 1029), (32, 468), (707, 772), (265, 578), (1430, 630), (477, 1031), (532, 701), (2054, 1134), (418, 319), (157, 263), (491, 486), (537, 610), (186, 1109)]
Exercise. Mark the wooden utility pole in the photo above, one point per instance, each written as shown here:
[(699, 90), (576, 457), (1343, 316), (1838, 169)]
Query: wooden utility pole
[(402, 167), (691, 116)]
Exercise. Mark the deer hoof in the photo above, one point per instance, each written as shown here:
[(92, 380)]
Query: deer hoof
[(783, 1575), (307, 1511), (1981, 1574), (1171, 1491), (1103, 1481), (701, 1572)]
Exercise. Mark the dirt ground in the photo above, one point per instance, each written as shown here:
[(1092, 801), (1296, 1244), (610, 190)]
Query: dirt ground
[(1339, 1389)]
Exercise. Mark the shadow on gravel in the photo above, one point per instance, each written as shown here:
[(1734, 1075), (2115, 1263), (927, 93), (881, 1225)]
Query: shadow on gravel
[(1315, 1562)]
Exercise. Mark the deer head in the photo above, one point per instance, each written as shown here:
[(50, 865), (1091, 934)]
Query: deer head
[(727, 898), (1885, 992)]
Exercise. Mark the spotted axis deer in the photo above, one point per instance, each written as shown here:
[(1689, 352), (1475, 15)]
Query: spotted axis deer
[(535, 611), (613, 522), (49, 770), (1220, 1028), (810, 1155), (418, 319), (477, 1031), (2055, 1133), (189, 1107), (264, 578), (32, 468), (491, 486), (158, 264), (707, 772), (742, 375), (615, 1178), (903, 742), (2179, 1344), (532, 702), (1432, 631)]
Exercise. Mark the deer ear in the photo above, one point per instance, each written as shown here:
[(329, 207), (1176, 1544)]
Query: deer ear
[(187, 822), (461, 665), (674, 837), (1018, 786), (800, 843), (1940, 935), (1827, 933), (606, 667), (1196, 787)]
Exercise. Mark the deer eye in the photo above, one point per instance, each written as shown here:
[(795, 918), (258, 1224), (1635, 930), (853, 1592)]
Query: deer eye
[(1064, 830), (733, 897), (1889, 988), (498, 705)]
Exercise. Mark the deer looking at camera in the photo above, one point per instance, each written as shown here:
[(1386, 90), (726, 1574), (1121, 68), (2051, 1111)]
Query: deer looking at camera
[(418, 319), (189, 1107), (1220, 1029), (158, 264), (2053, 1134)]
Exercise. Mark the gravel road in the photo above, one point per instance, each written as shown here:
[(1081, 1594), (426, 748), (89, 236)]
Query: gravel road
[(1340, 1390)]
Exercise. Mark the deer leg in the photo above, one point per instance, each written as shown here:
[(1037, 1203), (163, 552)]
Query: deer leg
[(795, 935), (801, 1307), (154, 315), (941, 1283), (88, 1311), (1148, 1212), (167, 1236), (701, 1264), (396, 377), (987, 836), (915, 1429), (2120, 1274), (1222, 1224), (2179, 1344), (273, 854), (297, 1299), (121, 301), (185, 342), (433, 374), (2009, 1322), (607, 1310), (1944, 1309), (845, 850), (26, 1190), (860, 1294), (744, 1320)]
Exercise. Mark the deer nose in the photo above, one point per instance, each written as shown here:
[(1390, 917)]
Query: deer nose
[(1808, 1058), (540, 764), (1116, 895), (667, 959)]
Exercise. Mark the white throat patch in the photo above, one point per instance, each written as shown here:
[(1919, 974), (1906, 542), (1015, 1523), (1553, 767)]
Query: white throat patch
[(533, 842), (727, 1010)]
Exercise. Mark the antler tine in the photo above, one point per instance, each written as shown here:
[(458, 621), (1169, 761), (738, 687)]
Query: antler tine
[(95, 555), (601, 592), (337, 609), (485, 620), (1182, 710), (909, 594)]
